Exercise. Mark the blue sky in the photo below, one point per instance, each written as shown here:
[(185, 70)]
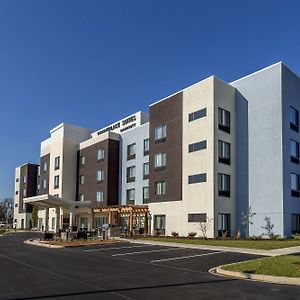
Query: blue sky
[(93, 62)]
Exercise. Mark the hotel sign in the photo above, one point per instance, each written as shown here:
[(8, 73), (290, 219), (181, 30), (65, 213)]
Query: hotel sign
[(121, 126)]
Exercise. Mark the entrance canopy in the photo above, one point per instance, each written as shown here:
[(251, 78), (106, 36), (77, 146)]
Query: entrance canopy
[(53, 201)]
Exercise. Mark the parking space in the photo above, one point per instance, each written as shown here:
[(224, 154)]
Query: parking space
[(123, 271)]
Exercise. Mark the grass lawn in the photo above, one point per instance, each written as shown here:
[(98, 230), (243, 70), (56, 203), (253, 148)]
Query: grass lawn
[(286, 265), (250, 244)]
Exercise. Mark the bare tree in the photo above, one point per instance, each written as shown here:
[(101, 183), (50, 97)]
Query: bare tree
[(205, 226), (247, 217), (6, 210), (268, 227)]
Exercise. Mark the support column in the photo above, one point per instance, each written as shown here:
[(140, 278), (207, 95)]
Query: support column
[(71, 217), (46, 219), (146, 223), (90, 220), (131, 222), (57, 213)]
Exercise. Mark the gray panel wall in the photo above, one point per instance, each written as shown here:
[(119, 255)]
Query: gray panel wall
[(263, 93)]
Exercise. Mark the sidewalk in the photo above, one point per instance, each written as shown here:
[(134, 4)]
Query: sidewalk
[(276, 252)]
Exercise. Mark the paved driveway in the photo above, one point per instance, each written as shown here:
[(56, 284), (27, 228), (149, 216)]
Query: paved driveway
[(123, 271)]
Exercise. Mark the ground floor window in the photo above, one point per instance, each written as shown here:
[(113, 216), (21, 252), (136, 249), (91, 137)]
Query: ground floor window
[(40, 223), (84, 223), (160, 224), (53, 223), (99, 221), (223, 225), (295, 224)]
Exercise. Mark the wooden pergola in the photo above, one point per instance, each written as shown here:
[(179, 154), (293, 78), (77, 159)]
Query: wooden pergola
[(137, 215)]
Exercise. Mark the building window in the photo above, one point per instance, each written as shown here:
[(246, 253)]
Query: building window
[(131, 151), (160, 161), (99, 196), (294, 118), (295, 223), (81, 197), (130, 196), (53, 223), (197, 146), (197, 114), (146, 147), (100, 175), (100, 221), (38, 171), (17, 179), (160, 224), (224, 120), (160, 133), (223, 185), (295, 185), (224, 225), (57, 163), (84, 223), (145, 193), (24, 192), (82, 160), (146, 170), (56, 181), (160, 188), (198, 178), (56, 195), (224, 152), (131, 174), (196, 218), (81, 179), (17, 192), (16, 205), (24, 180), (294, 152), (45, 166), (100, 154), (44, 183)]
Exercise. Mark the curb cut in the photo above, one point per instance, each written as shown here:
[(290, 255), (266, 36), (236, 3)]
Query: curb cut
[(255, 277), (40, 244)]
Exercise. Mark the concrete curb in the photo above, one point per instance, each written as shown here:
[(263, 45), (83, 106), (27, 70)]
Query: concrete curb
[(256, 277), (205, 247), (41, 244)]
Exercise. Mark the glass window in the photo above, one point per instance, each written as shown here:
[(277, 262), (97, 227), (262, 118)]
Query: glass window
[(295, 185), (130, 196), (196, 218), (84, 222), (294, 118), (160, 223), (99, 196), (224, 152), (57, 163), (160, 133), (38, 170), (145, 193), (224, 185), (198, 178), (24, 179), (100, 221), (53, 223), (146, 146), (160, 188), (44, 183), (82, 160), (56, 181), (197, 114), (223, 225), (100, 154), (197, 146), (81, 197), (224, 120), (295, 223), (294, 151), (100, 175), (146, 169), (81, 179), (160, 160), (24, 192), (45, 166), (131, 151), (130, 174)]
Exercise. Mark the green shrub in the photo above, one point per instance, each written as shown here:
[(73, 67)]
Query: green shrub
[(2, 231), (175, 234), (296, 236)]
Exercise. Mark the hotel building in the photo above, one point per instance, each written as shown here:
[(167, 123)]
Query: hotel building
[(204, 154)]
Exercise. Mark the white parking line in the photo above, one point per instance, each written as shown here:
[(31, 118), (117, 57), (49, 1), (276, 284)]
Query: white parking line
[(147, 251), (183, 257), (115, 248)]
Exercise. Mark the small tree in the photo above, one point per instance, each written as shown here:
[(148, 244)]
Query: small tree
[(34, 216), (205, 226), (247, 216), (268, 227)]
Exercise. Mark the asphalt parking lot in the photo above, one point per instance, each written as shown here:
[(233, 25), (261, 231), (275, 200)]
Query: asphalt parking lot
[(123, 271)]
